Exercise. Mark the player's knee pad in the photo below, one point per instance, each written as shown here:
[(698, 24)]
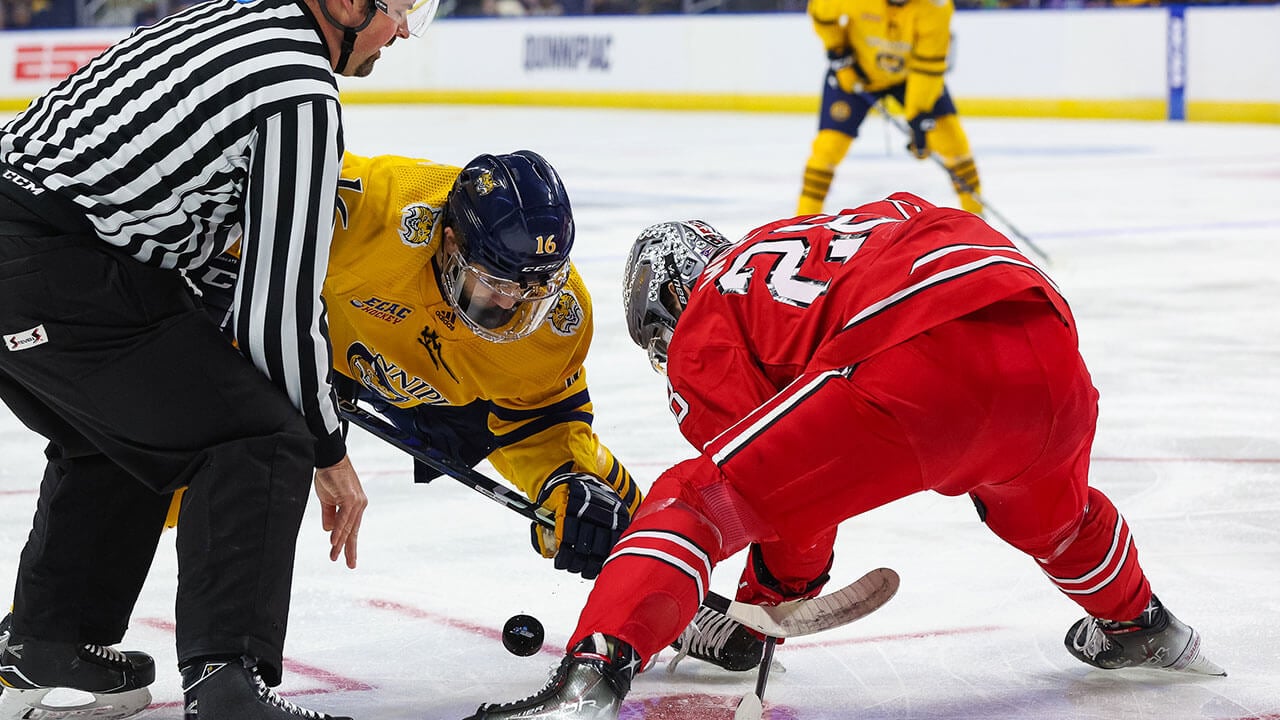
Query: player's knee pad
[(829, 148), (949, 140), (698, 487)]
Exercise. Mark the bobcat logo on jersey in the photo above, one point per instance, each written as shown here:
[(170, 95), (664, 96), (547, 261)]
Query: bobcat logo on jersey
[(566, 316), (388, 381), (417, 222)]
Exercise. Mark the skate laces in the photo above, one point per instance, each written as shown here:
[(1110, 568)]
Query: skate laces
[(106, 652), (705, 637), (1095, 641), (1097, 632), (270, 697)]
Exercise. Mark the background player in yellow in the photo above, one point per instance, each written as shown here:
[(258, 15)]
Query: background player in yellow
[(454, 311), (879, 48)]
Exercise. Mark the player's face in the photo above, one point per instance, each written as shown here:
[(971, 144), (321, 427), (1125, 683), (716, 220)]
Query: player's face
[(488, 305), (497, 309)]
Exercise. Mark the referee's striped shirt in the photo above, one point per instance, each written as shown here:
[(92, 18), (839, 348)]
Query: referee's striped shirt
[(221, 121)]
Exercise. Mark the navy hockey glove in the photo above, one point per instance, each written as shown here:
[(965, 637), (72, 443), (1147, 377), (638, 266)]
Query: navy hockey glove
[(590, 517), (920, 125), (844, 69)]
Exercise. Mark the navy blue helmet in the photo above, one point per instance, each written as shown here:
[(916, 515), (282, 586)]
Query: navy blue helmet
[(514, 216), (513, 231)]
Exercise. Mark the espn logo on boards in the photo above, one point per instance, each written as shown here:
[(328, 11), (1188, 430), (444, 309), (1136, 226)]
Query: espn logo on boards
[(53, 61)]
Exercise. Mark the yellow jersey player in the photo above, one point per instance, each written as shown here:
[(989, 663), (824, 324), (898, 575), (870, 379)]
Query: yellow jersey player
[(896, 48), (454, 311)]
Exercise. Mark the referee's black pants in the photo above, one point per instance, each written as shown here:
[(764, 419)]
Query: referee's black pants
[(139, 394)]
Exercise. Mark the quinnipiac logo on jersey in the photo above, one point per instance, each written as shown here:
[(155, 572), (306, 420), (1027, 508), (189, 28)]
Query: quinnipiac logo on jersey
[(566, 316), (384, 310), (388, 380), (417, 222)]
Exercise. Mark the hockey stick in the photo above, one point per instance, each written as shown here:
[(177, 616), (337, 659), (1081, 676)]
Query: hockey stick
[(792, 619), (752, 705), (986, 206)]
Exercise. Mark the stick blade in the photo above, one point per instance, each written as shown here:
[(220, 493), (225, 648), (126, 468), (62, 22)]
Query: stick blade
[(806, 617), (751, 708)]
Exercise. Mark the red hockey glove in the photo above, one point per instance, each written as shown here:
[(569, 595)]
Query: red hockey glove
[(590, 517), (758, 586)]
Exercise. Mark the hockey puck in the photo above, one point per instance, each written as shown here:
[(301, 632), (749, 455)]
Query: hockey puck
[(522, 635)]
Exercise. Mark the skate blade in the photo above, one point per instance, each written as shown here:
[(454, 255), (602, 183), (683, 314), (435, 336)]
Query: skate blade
[(68, 704), (1194, 661), (1199, 665)]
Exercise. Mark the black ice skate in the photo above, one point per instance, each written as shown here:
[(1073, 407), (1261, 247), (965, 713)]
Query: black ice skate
[(233, 690), (589, 684), (114, 683), (716, 638), (1155, 639)]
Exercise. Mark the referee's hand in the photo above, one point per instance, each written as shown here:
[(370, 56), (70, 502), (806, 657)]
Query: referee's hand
[(342, 504)]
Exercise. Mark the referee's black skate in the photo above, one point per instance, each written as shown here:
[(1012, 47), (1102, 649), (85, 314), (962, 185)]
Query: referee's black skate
[(234, 690), (114, 683), (1155, 639), (720, 640), (589, 684)]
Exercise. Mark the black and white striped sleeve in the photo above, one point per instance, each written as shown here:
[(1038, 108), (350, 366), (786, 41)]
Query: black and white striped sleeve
[(288, 227)]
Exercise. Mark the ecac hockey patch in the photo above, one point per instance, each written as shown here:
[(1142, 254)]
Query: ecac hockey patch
[(27, 339)]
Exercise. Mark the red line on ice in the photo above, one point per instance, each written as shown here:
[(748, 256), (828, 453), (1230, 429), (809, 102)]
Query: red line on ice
[(440, 619), (900, 636), (332, 681)]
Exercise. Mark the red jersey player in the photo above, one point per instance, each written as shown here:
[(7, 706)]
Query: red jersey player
[(826, 365)]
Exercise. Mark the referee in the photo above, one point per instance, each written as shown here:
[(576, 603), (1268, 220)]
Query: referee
[(219, 123)]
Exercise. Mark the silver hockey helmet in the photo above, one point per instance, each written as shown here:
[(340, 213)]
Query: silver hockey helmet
[(664, 263)]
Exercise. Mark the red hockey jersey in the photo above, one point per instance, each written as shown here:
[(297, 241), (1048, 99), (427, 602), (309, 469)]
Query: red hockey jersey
[(822, 292)]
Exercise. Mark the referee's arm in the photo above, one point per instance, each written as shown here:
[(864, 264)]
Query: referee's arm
[(288, 225)]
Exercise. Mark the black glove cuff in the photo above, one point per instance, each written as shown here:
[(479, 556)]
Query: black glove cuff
[(840, 59), (924, 122)]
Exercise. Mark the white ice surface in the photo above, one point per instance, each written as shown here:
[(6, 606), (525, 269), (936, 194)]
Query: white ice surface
[(1165, 239)]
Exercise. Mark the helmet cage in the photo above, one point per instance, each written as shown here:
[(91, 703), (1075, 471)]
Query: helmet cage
[(495, 308), (513, 229)]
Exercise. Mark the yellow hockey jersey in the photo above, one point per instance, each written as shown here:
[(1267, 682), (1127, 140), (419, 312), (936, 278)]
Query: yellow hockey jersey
[(393, 332), (891, 43)]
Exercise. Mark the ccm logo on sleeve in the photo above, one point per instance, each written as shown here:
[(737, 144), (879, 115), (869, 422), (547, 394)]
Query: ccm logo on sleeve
[(28, 339)]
